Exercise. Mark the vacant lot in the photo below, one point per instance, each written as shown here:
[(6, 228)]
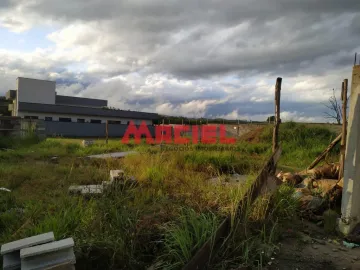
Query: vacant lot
[(163, 220)]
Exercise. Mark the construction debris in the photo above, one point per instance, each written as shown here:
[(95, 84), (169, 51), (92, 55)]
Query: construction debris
[(86, 143), (49, 256), (320, 185), (113, 155), (323, 154), (39, 252), (330, 171), (117, 178), (86, 190), (289, 178), (11, 251), (116, 175)]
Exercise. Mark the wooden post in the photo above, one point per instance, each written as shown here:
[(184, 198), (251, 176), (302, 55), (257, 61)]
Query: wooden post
[(107, 131), (323, 154), (277, 114), (344, 125)]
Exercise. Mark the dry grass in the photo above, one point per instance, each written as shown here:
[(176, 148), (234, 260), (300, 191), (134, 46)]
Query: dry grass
[(172, 210)]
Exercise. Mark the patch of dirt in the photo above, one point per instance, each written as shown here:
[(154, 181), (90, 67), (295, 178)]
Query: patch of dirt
[(306, 247), (253, 136)]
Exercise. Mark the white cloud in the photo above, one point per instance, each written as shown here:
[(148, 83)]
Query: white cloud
[(188, 58)]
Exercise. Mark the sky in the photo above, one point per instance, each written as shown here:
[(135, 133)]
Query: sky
[(204, 58)]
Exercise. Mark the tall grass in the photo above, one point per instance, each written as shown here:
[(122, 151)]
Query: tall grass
[(301, 143), (162, 221), (184, 237)]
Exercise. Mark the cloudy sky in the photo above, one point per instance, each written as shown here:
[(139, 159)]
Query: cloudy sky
[(212, 58)]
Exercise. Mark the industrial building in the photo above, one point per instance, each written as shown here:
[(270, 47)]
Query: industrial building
[(67, 115)]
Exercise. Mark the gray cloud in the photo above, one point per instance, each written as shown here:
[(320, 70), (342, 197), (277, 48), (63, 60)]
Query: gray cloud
[(208, 51)]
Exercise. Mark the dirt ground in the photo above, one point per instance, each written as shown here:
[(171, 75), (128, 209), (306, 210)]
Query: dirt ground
[(306, 246)]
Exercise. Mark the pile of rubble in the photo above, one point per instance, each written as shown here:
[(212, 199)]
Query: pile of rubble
[(117, 179), (316, 189), (39, 252)]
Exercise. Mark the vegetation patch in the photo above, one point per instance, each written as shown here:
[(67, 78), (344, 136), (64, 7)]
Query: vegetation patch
[(172, 211)]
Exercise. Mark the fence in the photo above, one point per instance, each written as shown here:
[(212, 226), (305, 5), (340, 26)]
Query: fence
[(83, 130), (262, 183), (16, 126)]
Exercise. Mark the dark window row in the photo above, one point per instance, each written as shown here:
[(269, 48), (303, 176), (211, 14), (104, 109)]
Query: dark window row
[(79, 120)]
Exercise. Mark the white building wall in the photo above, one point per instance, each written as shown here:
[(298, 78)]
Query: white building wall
[(35, 91), (74, 118)]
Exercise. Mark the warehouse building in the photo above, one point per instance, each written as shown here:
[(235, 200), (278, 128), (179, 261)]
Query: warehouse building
[(67, 115)]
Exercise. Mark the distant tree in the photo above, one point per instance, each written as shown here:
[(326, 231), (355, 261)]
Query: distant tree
[(270, 119), (333, 109)]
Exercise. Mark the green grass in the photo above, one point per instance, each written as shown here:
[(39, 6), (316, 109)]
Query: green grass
[(167, 217)]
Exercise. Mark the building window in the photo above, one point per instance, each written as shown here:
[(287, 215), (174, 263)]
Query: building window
[(48, 118), (114, 122), (62, 119), (95, 121), (81, 120), (31, 117)]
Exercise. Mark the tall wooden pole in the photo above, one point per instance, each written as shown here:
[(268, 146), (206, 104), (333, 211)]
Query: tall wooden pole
[(277, 114), (107, 131), (344, 125)]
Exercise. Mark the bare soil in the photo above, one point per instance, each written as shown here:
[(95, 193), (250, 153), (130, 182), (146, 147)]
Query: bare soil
[(306, 246)]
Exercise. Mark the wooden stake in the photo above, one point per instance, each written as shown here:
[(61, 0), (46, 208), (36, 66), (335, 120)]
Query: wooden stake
[(323, 154), (344, 125), (277, 114), (107, 131)]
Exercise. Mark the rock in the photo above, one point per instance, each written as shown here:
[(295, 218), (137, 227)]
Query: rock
[(306, 239), (290, 178)]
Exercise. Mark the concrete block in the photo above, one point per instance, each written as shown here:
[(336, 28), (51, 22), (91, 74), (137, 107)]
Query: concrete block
[(65, 266), (86, 190), (27, 242), (11, 261), (116, 175), (92, 190), (114, 155), (47, 248), (75, 189), (50, 260), (106, 185)]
